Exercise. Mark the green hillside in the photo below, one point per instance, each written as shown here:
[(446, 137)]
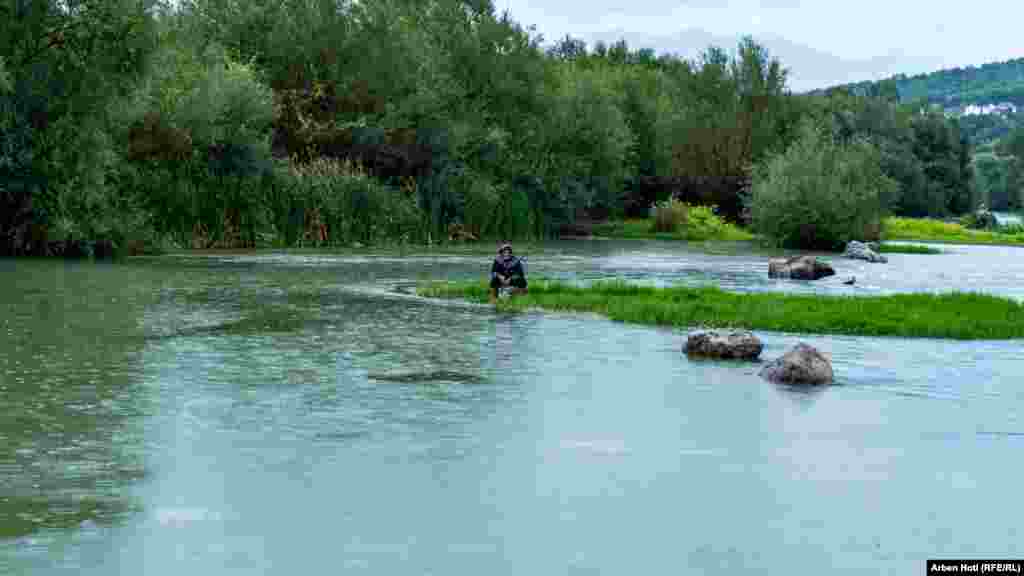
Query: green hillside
[(957, 88), (986, 84)]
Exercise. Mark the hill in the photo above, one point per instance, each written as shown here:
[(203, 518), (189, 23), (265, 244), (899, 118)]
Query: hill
[(989, 99), (958, 88)]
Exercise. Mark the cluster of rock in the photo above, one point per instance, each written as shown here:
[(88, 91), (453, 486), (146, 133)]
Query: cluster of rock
[(802, 365), (867, 251), (810, 268)]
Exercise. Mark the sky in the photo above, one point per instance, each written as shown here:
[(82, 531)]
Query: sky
[(822, 42)]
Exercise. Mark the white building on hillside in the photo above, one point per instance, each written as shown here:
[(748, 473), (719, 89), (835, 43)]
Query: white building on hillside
[(1001, 108)]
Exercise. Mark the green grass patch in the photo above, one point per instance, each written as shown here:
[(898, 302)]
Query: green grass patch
[(956, 315), (908, 249), (929, 230)]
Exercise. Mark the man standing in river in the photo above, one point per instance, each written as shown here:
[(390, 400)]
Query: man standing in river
[(507, 270)]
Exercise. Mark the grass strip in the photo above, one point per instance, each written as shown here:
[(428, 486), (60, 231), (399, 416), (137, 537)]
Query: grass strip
[(908, 249), (954, 315), (929, 230)]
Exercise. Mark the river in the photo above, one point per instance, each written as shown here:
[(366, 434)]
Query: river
[(304, 413)]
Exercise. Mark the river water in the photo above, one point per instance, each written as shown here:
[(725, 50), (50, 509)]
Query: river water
[(298, 413)]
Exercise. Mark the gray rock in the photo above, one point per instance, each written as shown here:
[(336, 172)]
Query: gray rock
[(862, 251), (739, 345), (801, 365), (799, 268)]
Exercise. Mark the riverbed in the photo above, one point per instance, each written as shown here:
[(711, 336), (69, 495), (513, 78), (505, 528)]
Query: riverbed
[(279, 413)]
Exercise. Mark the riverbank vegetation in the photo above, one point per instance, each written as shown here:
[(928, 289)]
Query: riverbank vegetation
[(965, 316), (821, 192), (888, 248), (930, 230), (206, 124), (675, 220)]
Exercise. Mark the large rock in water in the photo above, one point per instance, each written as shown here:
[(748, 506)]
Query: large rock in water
[(734, 345), (799, 268), (861, 251), (801, 365)]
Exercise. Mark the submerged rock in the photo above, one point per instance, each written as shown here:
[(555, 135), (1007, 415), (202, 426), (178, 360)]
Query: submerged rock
[(802, 365), (740, 345), (425, 377), (799, 268), (862, 251)]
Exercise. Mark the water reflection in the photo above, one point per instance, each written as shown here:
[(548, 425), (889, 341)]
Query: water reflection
[(802, 396), (70, 439)]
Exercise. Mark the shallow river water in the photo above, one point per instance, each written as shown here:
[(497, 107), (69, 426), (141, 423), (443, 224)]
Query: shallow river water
[(288, 413)]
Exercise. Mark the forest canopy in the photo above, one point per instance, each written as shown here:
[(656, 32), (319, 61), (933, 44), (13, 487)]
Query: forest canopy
[(134, 125)]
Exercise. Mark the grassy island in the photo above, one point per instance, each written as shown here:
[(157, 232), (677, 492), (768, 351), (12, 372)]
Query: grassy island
[(956, 315)]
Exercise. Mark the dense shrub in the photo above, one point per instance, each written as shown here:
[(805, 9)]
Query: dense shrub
[(331, 203), (479, 199), (702, 223), (5, 79), (63, 74), (197, 136), (820, 193), (590, 141), (669, 216)]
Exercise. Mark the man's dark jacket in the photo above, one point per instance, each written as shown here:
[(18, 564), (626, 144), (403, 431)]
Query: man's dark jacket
[(510, 268)]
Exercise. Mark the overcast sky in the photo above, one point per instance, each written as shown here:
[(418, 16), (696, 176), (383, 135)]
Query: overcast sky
[(822, 41)]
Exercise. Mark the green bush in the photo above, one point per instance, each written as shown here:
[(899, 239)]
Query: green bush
[(5, 79), (820, 193), (63, 75), (327, 202), (702, 223), (669, 216), (197, 137), (590, 141), (480, 199)]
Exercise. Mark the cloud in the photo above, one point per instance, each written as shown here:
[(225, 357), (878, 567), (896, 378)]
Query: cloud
[(820, 41)]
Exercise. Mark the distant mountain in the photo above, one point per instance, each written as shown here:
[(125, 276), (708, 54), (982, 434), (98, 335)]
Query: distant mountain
[(989, 99), (956, 89), (809, 68)]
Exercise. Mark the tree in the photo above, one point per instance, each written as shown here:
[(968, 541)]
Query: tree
[(1013, 147), (821, 192), (568, 49), (65, 63)]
